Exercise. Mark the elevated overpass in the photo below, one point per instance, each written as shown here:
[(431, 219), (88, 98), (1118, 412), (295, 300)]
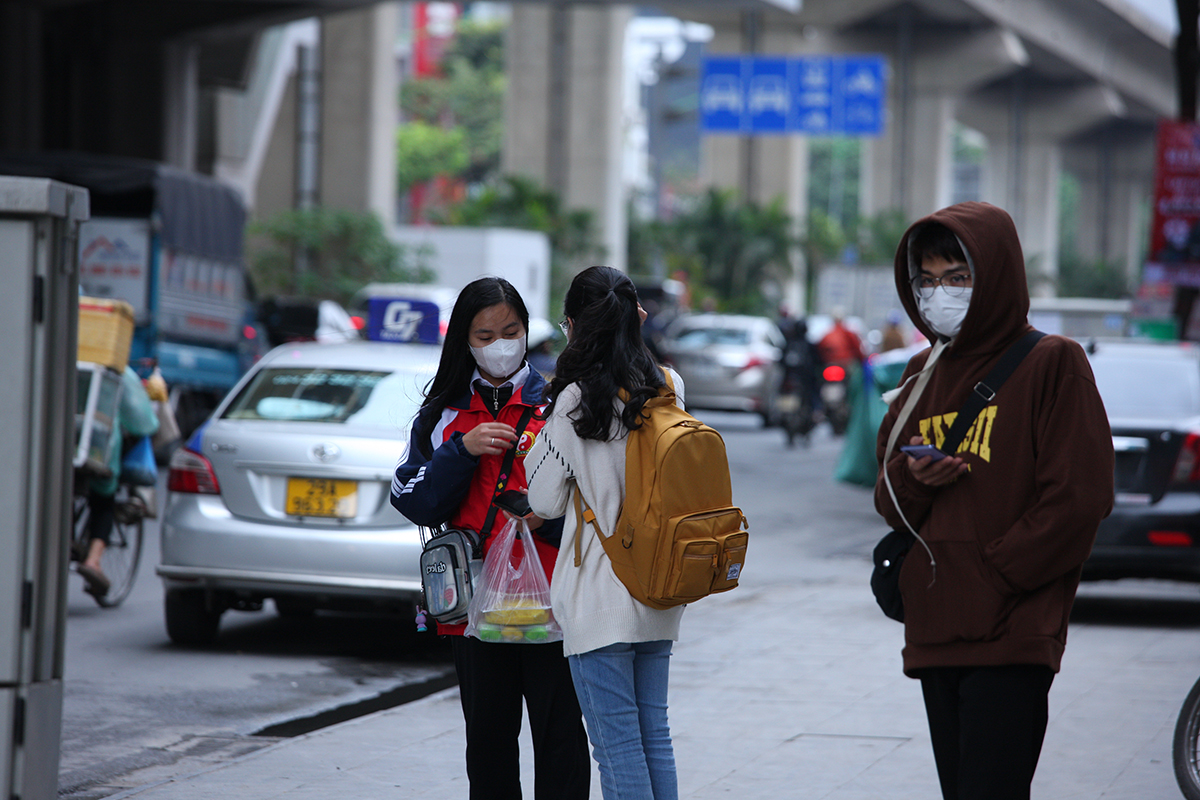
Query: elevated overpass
[(1054, 85)]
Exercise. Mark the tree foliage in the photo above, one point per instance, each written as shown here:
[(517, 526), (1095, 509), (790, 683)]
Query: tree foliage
[(730, 249), (424, 151), (466, 100), (344, 250)]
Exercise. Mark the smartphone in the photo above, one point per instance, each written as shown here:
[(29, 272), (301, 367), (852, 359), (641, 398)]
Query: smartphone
[(514, 502), (922, 450)]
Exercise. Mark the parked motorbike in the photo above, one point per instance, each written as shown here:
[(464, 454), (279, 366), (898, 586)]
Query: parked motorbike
[(835, 397), (796, 413), (1186, 747)]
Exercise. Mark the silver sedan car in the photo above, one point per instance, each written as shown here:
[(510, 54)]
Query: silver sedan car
[(284, 492), (728, 362)]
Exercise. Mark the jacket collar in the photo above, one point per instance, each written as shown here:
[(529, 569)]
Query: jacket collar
[(528, 389)]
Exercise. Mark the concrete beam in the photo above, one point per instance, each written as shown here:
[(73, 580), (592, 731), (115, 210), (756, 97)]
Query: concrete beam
[(1114, 49), (1049, 112)]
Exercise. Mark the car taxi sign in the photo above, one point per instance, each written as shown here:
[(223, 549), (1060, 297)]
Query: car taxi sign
[(400, 319)]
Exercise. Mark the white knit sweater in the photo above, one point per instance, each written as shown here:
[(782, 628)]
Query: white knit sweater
[(590, 603)]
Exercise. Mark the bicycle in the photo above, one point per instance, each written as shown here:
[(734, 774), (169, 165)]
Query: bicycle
[(124, 551), (1185, 750)]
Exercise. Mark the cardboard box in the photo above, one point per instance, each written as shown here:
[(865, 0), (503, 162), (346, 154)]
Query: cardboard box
[(105, 332)]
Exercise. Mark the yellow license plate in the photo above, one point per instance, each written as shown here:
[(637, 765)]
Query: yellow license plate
[(321, 497)]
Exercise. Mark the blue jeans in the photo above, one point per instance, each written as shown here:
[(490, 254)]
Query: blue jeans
[(622, 690)]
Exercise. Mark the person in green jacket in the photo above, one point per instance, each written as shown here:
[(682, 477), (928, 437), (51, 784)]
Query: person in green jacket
[(135, 419)]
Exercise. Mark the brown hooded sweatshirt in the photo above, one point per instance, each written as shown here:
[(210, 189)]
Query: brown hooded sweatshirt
[(1010, 535)]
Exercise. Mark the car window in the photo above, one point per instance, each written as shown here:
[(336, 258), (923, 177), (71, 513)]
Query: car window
[(1148, 388), (701, 337), (371, 398)]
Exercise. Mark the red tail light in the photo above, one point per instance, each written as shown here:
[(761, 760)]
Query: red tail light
[(358, 322), (1170, 538), (834, 374), (754, 361), (191, 473), (1187, 465)]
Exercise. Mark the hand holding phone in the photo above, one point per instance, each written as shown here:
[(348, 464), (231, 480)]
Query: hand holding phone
[(922, 450), (514, 502)]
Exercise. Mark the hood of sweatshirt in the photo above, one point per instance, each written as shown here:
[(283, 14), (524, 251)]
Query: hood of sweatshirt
[(999, 308)]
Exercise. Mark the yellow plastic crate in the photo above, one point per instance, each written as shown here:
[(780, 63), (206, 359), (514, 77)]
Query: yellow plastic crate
[(105, 332)]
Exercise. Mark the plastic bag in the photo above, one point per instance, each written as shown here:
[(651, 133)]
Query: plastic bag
[(138, 466), (168, 428), (512, 600)]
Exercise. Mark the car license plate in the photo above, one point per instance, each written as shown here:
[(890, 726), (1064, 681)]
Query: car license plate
[(321, 497)]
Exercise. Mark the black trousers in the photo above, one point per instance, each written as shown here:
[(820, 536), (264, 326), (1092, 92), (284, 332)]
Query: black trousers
[(101, 514), (492, 680), (987, 725)]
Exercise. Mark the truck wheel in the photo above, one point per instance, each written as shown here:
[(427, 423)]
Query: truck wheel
[(190, 619)]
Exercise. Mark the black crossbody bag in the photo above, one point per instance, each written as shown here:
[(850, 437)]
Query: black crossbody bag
[(894, 547)]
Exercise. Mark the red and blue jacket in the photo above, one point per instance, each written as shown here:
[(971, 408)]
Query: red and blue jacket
[(439, 482)]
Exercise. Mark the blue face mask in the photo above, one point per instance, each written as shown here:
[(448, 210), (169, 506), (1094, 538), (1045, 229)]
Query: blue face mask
[(945, 314)]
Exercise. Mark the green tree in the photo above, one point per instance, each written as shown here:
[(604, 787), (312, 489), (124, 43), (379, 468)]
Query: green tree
[(468, 97), (342, 250), (730, 249), (424, 151)]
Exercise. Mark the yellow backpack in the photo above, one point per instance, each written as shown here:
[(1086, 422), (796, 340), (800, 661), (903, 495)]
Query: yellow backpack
[(679, 537)]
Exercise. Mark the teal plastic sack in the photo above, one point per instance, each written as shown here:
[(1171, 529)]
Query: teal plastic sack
[(138, 466), (857, 463)]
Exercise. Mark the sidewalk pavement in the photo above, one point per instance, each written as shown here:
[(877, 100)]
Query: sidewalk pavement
[(781, 691)]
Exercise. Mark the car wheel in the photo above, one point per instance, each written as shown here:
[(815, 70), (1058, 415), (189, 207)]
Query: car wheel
[(190, 618)]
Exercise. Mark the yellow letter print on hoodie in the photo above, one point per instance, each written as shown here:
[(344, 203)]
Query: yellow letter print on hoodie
[(978, 438)]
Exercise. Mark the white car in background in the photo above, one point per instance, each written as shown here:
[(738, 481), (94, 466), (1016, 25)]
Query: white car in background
[(284, 494)]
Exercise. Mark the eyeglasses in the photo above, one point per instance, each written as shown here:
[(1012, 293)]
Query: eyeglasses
[(953, 284), (565, 327)]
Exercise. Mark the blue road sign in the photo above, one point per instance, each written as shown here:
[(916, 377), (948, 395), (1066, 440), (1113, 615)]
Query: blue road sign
[(813, 95), (722, 99)]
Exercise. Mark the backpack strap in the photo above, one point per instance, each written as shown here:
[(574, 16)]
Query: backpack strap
[(985, 391), (583, 514)]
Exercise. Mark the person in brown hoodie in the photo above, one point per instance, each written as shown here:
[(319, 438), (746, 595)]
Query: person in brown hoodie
[(1008, 519)]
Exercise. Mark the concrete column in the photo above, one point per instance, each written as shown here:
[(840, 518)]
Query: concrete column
[(780, 168), (563, 123), (1116, 182), (359, 97), (910, 167), (1025, 126), (181, 92)]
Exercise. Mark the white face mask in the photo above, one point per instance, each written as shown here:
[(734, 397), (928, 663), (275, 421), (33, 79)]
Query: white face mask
[(945, 314), (500, 358)]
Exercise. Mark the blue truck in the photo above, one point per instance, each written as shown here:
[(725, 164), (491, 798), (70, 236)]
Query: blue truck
[(170, 243)]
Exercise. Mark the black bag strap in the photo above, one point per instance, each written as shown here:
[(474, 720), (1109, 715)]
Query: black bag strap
[(985, 391), (505, 473)]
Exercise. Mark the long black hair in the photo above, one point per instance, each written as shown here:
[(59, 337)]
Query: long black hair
[(606, 353), (456, 366)]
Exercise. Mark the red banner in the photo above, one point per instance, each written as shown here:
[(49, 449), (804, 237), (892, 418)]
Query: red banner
[(1175, 227), (433, 29)]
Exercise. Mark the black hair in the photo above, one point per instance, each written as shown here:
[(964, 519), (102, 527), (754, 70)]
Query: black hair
[(456, 366), (935, 240), (605, 353)]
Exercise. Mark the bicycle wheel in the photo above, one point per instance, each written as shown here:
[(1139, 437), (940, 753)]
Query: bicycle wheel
[(124, 552), (1186, 749)]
